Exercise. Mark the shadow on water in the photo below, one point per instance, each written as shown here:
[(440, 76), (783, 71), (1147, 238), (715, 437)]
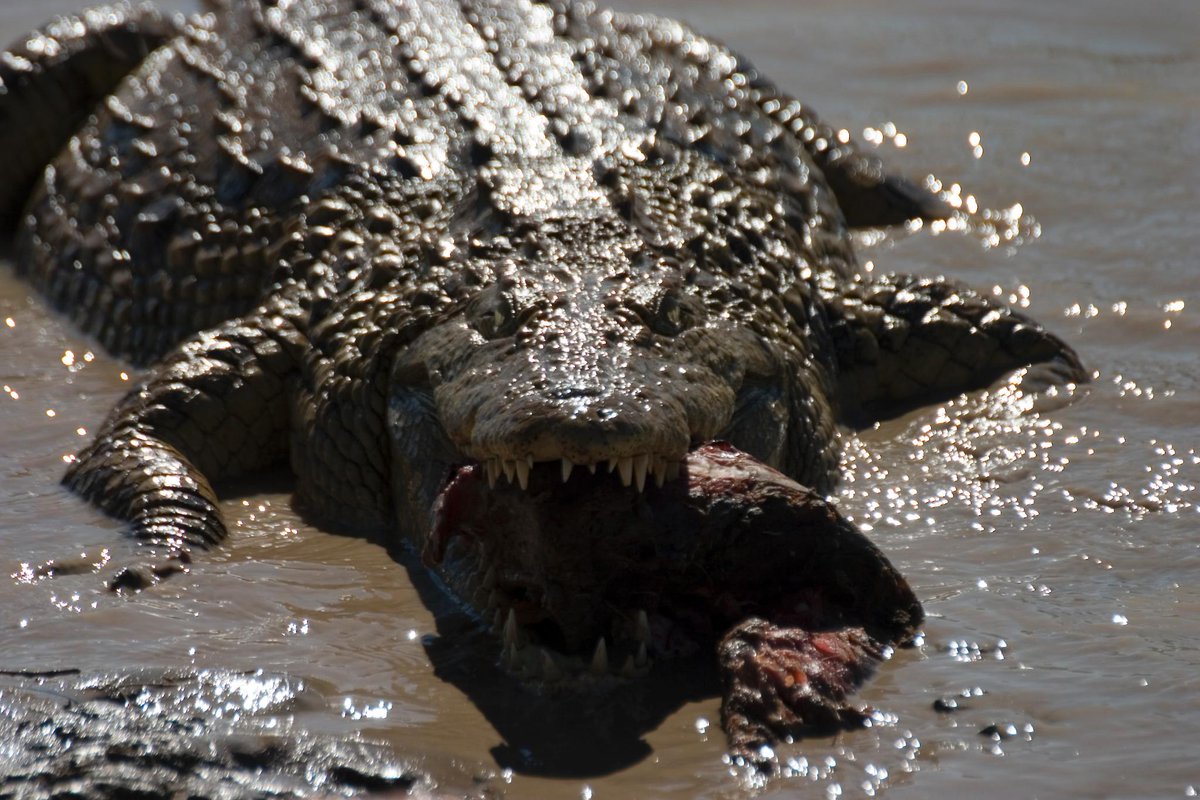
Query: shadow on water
[(573, 733), (278, 480)]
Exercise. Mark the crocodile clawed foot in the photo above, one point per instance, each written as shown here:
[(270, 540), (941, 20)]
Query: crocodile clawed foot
[(57, 567), (148, 572)]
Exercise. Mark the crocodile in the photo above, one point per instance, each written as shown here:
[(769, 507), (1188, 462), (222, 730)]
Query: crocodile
[(564, 298), (160, 734)]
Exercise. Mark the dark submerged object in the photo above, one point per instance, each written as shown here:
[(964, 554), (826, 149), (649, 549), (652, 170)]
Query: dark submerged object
[(458, 262), (142, 735)]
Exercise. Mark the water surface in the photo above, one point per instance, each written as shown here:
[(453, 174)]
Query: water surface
[(1056, 549)]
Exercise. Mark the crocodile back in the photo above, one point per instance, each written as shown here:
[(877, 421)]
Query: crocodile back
[(172, 208)]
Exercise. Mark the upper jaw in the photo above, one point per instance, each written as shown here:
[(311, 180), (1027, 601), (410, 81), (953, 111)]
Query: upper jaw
[(640, 449)]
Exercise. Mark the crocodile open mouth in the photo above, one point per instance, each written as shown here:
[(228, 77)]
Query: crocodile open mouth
[(587, 575)]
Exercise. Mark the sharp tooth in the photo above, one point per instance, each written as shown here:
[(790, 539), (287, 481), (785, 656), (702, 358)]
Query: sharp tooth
[(493, 471), (510, 469), (642, 626), (567, 466), (592, 467), (523, 473), (627, 669), (626, 467), (497, 618), (642, 658), (510, 628), (600, 658), (660, 471), (550, 670), (508, 657), (612, 465), (640, 463), (489, 577), (672, 470)]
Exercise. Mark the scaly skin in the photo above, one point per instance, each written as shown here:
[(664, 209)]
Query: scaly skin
[(387, 240), (159, 735)]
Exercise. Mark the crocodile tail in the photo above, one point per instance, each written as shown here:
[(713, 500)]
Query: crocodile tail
[(51, 79)]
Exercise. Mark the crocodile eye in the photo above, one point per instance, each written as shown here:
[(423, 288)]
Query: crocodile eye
[(492, 315), (674, 315), (492, 324)]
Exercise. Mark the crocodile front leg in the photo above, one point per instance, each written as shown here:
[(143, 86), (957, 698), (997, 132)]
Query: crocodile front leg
[(902, 341), (216, 407)]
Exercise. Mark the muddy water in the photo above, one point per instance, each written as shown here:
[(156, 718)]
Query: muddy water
[(1056, 549)]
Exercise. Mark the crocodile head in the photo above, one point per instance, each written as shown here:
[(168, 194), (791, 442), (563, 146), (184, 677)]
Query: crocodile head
[(545, 388)]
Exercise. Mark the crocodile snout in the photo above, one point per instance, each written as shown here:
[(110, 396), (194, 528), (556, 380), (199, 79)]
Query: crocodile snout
[(627, 408)]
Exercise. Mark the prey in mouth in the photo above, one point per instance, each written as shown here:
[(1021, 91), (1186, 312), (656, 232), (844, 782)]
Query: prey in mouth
[(592, 575)]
